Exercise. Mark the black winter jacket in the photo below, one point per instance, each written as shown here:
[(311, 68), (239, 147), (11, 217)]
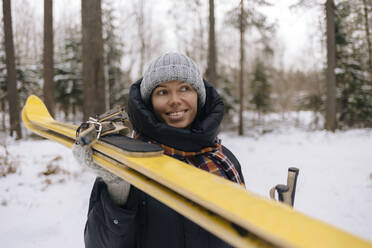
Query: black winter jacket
[(144, 222)]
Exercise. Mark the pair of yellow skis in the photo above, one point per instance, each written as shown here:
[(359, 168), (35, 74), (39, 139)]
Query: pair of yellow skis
[(212, 202)]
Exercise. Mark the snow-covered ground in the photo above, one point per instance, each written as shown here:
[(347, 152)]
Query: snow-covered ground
[(44, 203), (335, 180)]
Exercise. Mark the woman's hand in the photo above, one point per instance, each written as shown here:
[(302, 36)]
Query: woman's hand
[(117, 187)]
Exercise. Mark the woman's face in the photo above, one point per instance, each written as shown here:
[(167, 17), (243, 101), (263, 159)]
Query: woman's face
[(176, 103)]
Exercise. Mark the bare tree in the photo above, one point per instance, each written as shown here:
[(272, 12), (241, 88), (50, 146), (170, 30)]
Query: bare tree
[(199, 31), (245, 18), (190, 18), (48, 62), (140, 17), (147, 33), (331, 122), (93, 65), (241, 72), (27, 35), (212, 54), (12, 94)]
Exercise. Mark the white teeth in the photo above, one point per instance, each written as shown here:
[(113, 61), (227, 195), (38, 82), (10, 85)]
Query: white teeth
[(176, 113)]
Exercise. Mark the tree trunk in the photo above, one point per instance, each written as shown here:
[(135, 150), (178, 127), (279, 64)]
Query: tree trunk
[(12, 93), (74, 113), (201, 34), (241, 74), (212, 55), (369, 45), (3, 126), (48, 89), (141, 30), (331, 122), (93, 71)]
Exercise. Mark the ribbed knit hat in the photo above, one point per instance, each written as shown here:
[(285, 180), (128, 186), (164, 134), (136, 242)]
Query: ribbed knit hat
[(169, 67)]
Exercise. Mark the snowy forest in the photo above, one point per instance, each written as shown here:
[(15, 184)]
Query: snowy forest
[(302, 96)]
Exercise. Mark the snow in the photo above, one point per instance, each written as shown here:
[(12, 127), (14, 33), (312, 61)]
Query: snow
[(334, 184)]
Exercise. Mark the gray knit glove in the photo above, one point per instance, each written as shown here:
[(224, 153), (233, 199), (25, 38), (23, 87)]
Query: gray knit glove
[(117, 187)]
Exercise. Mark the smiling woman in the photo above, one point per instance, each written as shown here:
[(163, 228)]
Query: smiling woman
[(171, 106), (175, 103)]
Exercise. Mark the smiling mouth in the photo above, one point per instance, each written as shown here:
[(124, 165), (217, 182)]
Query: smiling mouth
[(176, 114)]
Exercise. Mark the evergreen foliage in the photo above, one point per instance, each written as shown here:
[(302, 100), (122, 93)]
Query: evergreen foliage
[(68, 71), (2, 71), (354, 91), (353, 70), (260, 88), (113, 53), (28, 78), (225, 90), (29, 83)]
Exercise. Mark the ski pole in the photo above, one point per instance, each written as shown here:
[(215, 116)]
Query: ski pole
[(286, 193)]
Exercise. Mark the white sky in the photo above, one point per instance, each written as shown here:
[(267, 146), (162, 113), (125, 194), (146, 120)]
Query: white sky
[(298, 30)]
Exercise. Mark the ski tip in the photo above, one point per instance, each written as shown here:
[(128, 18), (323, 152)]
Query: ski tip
[(32, 98), (35, 106), (33, 101)]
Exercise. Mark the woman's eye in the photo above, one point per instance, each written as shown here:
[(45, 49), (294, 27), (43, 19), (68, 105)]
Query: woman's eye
[(161, 92), (185, 88)]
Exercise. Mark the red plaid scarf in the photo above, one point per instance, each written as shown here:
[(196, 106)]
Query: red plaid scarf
[(210, 159)]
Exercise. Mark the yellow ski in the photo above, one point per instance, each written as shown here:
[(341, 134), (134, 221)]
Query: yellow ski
[(267, 222)]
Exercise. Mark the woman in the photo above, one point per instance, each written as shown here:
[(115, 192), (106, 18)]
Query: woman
[(171, 106)]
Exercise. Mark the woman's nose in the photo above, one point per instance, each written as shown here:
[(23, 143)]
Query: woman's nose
[(175, 98)]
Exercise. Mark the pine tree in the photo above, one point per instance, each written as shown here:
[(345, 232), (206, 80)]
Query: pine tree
[(244, 18), (69, 86), (2, 69), (260, 88), (2, 83), (354, 91), (353, 56), (113, 53), (27, 75)]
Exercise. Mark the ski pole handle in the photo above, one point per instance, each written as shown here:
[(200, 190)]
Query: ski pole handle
[(286, 193), (292, 182)]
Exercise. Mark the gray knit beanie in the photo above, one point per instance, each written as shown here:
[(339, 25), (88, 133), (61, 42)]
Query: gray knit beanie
[(169, 67)]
